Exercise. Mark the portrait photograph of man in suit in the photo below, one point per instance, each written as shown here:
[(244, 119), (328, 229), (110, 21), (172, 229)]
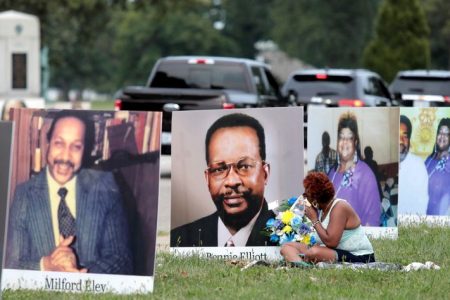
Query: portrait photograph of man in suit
[(71, 214), (237, 172)]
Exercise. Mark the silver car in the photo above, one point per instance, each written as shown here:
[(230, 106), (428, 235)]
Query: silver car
[(422, 88), (337, 87)]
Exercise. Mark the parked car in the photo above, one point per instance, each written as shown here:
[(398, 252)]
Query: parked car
[(337, 87), (193, 83), (422, 88)]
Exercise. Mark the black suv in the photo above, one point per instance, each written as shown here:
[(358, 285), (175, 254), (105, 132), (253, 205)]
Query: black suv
[(337, 87), (192, 83), (422, 88)]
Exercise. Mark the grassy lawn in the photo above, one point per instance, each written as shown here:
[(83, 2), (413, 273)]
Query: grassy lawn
[(102, 105), (196, 278), (93, 105)]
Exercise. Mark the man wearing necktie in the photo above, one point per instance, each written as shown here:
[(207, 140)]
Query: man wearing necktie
[(69, 218), (236, 174)]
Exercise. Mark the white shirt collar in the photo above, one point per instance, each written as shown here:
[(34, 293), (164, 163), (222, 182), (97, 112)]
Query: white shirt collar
[(54, 186), (240, 238)]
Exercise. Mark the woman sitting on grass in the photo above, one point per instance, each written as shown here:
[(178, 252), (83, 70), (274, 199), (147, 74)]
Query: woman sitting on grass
[(339, 235)]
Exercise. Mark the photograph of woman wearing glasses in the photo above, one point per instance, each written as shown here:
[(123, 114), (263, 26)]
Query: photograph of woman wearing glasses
[(352, 178), (237, 171), (438, 168)]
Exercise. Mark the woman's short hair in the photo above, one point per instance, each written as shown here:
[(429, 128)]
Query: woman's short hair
[(348, 120), (443, 122), (319, 187)]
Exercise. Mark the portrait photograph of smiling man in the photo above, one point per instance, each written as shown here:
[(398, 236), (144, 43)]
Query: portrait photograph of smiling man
[(42, 227), (75, 192), (229, 205)]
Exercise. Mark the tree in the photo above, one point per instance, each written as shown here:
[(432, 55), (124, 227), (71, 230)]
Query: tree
[(438, 15), (105, 44), (248, 22), (324, 33), (146, 33), (401, 39), (72, 35), (70, 29)]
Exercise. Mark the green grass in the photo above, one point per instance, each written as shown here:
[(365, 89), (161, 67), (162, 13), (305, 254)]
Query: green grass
[(163, 233), (102, 105), (196, 278)]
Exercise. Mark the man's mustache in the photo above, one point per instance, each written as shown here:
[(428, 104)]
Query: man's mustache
[(240, 220), (246, 193), (64, 162)]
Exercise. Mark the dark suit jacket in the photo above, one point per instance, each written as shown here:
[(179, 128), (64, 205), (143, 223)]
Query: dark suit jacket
[(102, 237), (203, 232)]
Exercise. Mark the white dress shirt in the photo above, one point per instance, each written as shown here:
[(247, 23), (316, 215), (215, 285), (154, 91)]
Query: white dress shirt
[(239, 239), (413, 186)]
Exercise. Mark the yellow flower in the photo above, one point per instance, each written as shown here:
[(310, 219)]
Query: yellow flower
[(287, 216), (306, 239), (287, 229)]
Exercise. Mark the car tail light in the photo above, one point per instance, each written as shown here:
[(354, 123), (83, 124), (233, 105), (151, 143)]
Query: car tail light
[(225, 103), (447, 99), (201, 61), (321, 76), (351, 102), (117, 104), (228, 105)]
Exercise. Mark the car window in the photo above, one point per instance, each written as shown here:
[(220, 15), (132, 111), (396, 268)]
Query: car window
[(205, 76), (376, 87), (321, 85), (259, 81), (273, 88), (421, 85), (199, 78)]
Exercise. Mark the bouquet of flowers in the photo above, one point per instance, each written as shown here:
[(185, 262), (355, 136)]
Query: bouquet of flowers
[(290, 223)]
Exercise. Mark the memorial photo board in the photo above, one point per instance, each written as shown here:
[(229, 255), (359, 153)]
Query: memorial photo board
[(83, 201), (358, 149), (223, 197), (5, 167), (424, 189)]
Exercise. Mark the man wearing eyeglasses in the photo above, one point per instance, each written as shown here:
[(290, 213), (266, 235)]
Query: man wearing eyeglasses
[(236, 176)]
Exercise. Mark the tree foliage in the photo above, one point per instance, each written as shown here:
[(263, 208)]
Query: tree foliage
[(106, 44), (144, 34), (70, 29), (248, 22), (324, 33), (401, 39), (438, 15)]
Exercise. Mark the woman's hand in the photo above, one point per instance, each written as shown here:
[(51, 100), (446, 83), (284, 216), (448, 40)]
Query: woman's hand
[(311, 213)]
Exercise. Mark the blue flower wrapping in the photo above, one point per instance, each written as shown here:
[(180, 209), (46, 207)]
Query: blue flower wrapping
[(290, 223)]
